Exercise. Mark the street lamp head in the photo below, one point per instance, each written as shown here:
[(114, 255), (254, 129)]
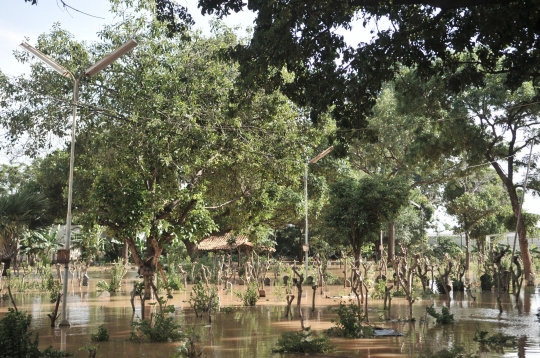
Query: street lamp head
[(49, 62), (113, 56), (321, 155)]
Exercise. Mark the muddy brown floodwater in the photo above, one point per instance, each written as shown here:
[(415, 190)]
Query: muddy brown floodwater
[(253, 331)]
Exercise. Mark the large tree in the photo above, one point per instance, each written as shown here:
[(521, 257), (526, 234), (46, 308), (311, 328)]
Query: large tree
[(358, 207), (305, 38), (161, 150)]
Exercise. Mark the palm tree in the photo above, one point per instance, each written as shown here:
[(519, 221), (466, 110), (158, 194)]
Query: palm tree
[(19, 212)]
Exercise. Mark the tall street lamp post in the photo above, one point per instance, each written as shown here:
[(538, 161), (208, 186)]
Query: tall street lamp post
[(312, 161), (90, 72)]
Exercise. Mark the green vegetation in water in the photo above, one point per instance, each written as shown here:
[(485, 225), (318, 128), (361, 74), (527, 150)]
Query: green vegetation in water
[(441, 318), (16, 339), (453, 352), (200, 297), (250, 296), (497, 339), (227, 310), (101, 336), (303, 342), (349, 323), (157, 329), (118, 271), (188, 349), (91, 349)]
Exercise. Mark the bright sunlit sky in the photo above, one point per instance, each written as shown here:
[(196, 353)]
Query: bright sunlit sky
[(20, 20)]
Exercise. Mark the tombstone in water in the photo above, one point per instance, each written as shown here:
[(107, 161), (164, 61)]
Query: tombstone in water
[(85, 280), (267, 281), (285, 280), (309, 280)]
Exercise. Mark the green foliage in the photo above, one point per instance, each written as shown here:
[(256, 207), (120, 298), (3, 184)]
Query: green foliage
[(446, 245), (250, 296), (441, 318), (349, 322), (358, 208), (497, 339), (157, 329), (302, 342), (200, 297), (486, 282), (16, 339), (101, 336), (118, 271), (52, 286), (91, 349), (188, 349), (379, 289)]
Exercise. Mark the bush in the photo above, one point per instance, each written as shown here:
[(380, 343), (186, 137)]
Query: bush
[(250, 296), (118, 271), (199, 298), (16, 339), (101, 335), (349, 323), (486, 282), (441, 318), (302, 342), (163, 329)]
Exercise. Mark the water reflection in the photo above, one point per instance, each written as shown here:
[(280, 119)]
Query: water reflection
[(253, 331)]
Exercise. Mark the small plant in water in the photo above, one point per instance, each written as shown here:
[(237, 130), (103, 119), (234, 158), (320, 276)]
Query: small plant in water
[(201, 297), (441, 318), (163, 329), (189, 349), (118, 271), (101, 336), (91, 349), (349, 323), (303, 342), (250, 296), (497, 339)]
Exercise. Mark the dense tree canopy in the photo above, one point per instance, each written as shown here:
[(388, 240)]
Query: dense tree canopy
[(303, 38)]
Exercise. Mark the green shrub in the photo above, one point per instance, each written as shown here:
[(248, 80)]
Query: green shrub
[(163, 330), (101, 336), (16, 339), (118, 271), (250, 296), (302, 342), (199, 298), (441, 318), (349, 323)]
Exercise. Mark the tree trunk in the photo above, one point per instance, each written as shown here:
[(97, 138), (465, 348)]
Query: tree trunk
[(467, 252), (125, 253), (391, 241), (528, 269), (522, 232)]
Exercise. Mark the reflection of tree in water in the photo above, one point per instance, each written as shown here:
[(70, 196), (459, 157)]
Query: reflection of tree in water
[(246, 330)]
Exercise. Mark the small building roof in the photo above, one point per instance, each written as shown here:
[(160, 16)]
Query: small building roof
[(221, 243)]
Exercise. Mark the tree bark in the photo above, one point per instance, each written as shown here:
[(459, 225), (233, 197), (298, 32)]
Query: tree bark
[(391, 241)]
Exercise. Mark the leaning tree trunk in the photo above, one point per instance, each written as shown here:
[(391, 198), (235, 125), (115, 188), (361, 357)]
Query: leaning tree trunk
[(506, 178)]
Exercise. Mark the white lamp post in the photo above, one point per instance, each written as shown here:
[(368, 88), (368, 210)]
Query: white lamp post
[(312, 161), (90, 72)]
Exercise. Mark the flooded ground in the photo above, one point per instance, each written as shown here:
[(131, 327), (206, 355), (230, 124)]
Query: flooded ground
[(253, 331)]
